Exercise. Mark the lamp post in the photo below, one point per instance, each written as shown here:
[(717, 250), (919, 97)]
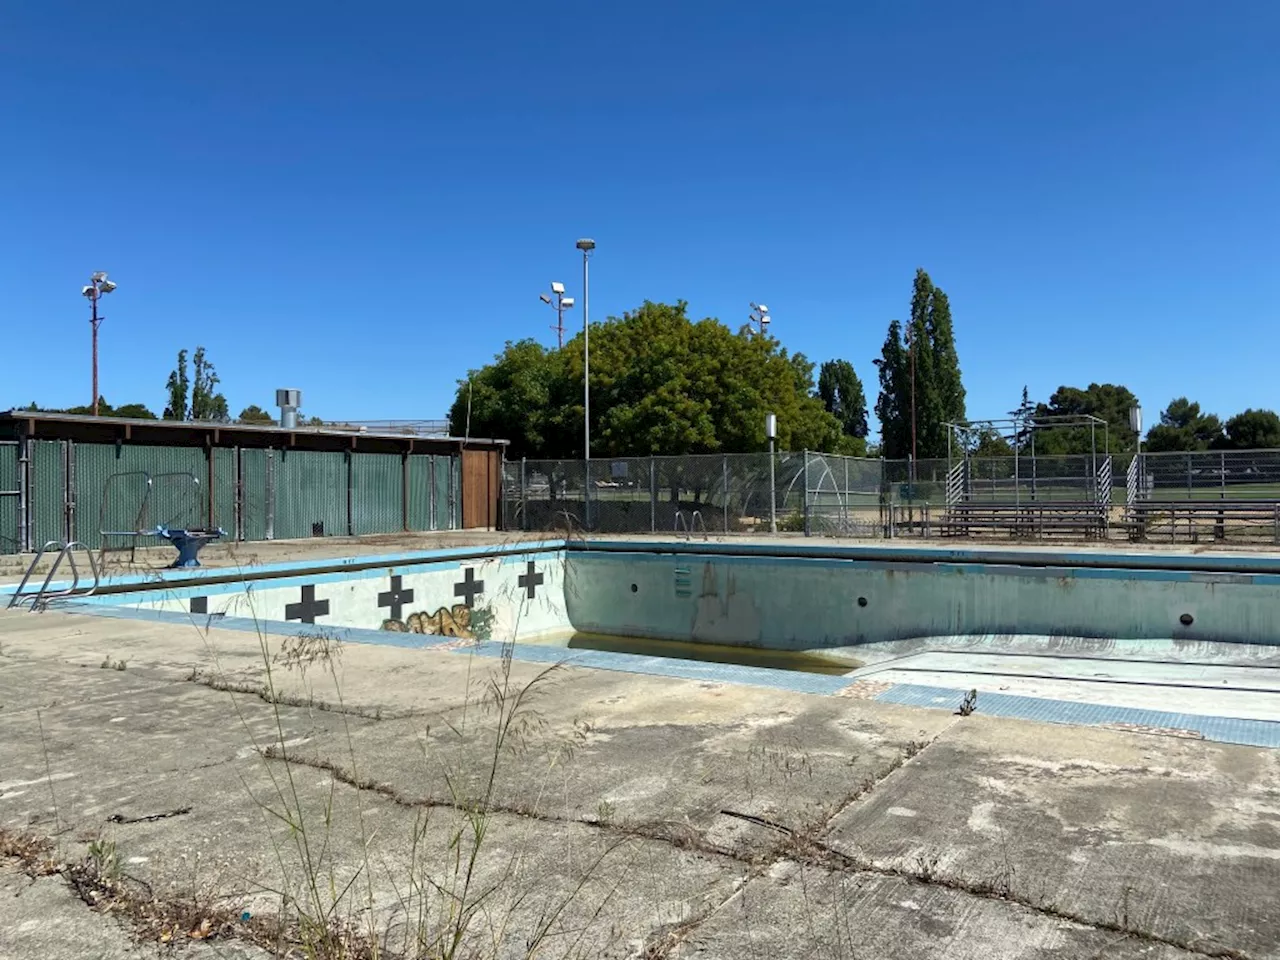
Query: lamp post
[(560, 305), (97, 286), (586, 245), (759, 315)]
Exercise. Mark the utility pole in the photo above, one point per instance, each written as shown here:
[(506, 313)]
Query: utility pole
[(97, 286)]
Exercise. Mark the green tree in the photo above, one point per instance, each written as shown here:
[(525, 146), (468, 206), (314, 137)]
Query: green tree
[(1183, 427), (254, 414), (1252, 430), (518, 398), (661, 383), (841, 393), (135, 411), (179, 389), (1023, 416), (1107, 401), (206, 402), (893, 405), (928, 344)]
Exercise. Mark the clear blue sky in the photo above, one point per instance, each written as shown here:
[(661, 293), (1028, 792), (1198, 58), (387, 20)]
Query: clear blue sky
[(363, 200)]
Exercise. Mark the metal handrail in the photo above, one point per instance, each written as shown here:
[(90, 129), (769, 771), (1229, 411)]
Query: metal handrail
[(16, 599), (41, 598), (693, 525)]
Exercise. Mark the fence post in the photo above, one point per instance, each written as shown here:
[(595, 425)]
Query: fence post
[(351, 479), (807, 526), (271, 494), (24, 496), (237, 500), (724, 507), (431, 496), (404, 490), (653, 495), (1188, 476), (586, 494), (524, 495), (69, 494), (1222, 472)]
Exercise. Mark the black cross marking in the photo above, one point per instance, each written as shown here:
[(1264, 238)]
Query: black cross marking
[(531, 580), (395, 598), (469, 587), (199, 604), (309, 608)]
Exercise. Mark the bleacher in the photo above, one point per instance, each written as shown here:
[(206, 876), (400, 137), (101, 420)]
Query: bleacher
[(967, 518), (1208, 519)]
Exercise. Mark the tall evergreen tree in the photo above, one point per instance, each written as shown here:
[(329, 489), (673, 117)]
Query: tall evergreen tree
[(930, 348), (893, 405), (841, 393), (178, 387)]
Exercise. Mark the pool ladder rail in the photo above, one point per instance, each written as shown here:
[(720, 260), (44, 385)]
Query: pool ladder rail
[(690, 527), (40, 599)]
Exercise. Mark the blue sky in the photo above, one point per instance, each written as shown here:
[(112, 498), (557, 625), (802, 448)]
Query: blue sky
[(364, 200)]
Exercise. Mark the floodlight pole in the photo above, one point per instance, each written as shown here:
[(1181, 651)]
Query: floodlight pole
[(586, 245), (98, 285), (95, 321)]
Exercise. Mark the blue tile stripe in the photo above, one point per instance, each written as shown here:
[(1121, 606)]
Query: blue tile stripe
[(1258, 733)]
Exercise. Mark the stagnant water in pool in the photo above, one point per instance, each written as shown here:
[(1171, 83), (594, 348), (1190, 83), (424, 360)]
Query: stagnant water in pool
[(799, 660)]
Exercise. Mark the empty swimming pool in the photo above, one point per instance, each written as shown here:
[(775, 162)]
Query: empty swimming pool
[(1175, 640)]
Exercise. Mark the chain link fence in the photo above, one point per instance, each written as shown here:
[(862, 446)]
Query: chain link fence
[(828, 495)]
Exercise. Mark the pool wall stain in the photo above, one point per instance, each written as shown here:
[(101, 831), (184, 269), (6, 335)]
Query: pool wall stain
[(805, 603)]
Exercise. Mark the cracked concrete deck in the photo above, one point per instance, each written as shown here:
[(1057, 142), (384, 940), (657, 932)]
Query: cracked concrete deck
[(629, 815)]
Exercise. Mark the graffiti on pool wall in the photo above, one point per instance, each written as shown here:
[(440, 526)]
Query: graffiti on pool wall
[(456, 621)]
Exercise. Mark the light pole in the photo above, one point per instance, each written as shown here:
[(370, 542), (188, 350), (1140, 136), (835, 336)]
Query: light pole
[(97, 286), (561, 304), (759, 315), (586, 245)]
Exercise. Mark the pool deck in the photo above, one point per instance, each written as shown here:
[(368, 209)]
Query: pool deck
[(708, 814)]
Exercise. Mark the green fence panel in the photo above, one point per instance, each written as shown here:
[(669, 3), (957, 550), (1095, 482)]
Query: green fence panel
[(420, 474), (48, 492), (224, 490), (377, 496), (9, 542), (443, 519), (311, 494), (111, 490), (254, 493)]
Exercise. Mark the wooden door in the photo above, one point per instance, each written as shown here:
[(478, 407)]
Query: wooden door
[(481, 483)]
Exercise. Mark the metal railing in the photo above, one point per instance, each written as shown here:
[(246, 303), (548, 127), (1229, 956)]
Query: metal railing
[(40, 599)]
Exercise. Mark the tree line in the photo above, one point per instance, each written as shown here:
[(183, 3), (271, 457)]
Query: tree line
[(663, 383), (192, 396)]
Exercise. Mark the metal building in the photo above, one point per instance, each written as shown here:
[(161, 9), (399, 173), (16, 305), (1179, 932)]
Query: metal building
[(70, 477)]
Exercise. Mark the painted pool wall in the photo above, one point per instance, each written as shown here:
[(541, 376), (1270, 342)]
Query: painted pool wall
[(793, 603), (516, 596)]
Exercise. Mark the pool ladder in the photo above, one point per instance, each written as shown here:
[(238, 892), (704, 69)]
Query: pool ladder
[(691, 526), (40, 599)]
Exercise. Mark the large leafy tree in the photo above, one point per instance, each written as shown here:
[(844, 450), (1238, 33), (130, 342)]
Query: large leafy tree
[(254, 414), (1252, 430), (1108, 402), (841, 393), (661, 383), (1182, 426), (927, 343)]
